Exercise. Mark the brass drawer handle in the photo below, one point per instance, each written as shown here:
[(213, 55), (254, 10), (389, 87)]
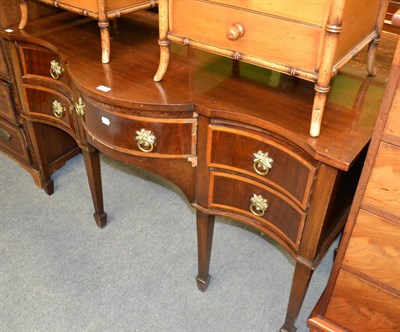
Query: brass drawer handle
[(58, 109), (80, 107), (145, 140), (56, 71), (4, 134), (259, 205), (235, 32), (262, 163)]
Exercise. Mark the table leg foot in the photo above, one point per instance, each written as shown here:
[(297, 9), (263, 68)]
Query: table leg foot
[(285, 328), (101, 219), (202, 283)]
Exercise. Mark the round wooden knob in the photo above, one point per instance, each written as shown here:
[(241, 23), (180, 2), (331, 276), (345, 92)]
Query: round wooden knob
[(235, 32)]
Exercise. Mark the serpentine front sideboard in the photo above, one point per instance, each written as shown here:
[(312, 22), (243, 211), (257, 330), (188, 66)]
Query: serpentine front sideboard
[(232, 136)]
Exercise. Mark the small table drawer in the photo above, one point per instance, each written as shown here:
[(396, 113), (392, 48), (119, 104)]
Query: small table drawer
[(41, 61), (12, 140), (153, 137), (252, 154), (51, 105), (6, 103), (247, 32), (258, 204)]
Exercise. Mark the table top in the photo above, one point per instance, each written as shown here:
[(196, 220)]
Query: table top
[(216, 86)]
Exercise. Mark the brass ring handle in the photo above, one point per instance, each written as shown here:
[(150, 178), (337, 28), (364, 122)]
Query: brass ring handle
[(4, 134), (145, 140), (262, 163), (58, 109), (56, 71), (235, 32), (259, 205)]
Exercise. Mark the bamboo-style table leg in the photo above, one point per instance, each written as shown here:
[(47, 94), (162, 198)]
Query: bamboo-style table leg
[(163, 40), (23, 6), (301, 280), (104, 31), (92, 164), (205, 230), (371, 56)]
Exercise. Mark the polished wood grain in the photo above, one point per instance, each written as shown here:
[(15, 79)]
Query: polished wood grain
[(363, 291), (6, 102), (358, 305), (101, 10), (206, 93), (255, 33)]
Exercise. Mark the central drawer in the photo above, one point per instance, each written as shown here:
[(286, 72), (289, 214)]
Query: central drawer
[(139, 135), (263, 36)]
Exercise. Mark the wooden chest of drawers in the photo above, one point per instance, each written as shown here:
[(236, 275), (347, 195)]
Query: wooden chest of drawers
[(363, 292), (307, 39), (101, 10)]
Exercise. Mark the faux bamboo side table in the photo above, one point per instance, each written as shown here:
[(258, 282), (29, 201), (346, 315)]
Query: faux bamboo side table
[(310, 40), (101, 10)]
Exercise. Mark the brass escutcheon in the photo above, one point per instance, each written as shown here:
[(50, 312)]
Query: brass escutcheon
[(262, 163), (80, 107), (58, 109), (259, 205), (56, 71), (4, 134), (145, 140)]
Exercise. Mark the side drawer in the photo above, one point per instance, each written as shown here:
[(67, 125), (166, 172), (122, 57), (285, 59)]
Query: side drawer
[(377, 241), (237, 150), (40, 61), (6, 103), (138, 135), (357, 304), (234, 194), (12, 140), (50, 105)]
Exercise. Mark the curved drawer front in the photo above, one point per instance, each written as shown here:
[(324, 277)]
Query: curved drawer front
[(235, 194), (281, 41), (6, 104), (41, 61), (12, 140), (50, 105), (153, 137), (238, 150)]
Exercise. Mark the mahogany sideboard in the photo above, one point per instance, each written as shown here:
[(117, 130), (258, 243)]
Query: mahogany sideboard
[(232, 136), (363, 291)]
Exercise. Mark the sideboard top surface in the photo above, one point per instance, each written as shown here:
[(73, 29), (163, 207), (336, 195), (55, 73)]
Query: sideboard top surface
[(215, 86)]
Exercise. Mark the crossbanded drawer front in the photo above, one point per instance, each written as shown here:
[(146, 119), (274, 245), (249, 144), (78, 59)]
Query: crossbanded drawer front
[(238, 150), (264, 37), (166, 137), (6, 104), (234, 194), (41, 62), (12, 140), (50, 104)]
